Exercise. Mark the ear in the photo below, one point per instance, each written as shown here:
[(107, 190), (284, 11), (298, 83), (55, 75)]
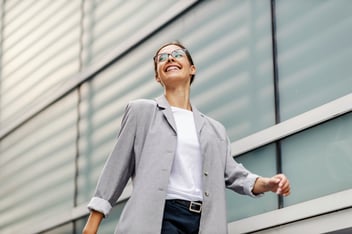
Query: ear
[(193, 70), (157, 79)]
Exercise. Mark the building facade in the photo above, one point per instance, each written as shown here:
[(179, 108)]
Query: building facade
[(276, 73)]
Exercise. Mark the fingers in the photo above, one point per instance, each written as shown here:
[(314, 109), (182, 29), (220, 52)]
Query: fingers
[(279, 184), (284, 188)]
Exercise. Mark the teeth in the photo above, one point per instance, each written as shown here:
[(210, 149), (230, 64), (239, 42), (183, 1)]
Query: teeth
[(172, 68)]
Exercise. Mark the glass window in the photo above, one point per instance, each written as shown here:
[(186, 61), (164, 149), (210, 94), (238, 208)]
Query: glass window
[(231, 45), (318, 161), (263, 163), (314, 53)]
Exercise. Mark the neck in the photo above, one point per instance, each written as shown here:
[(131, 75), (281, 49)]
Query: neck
[(179, 98)]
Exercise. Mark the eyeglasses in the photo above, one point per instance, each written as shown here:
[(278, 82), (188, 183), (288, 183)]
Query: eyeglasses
[(177, 54)]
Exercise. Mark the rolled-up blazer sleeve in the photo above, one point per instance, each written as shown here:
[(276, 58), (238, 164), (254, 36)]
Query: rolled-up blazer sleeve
[(119, 166), (237, 177)]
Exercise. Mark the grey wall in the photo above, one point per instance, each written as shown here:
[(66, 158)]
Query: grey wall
[(275, 73)]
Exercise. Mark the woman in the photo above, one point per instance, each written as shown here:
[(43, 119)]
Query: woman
[(178, 158)]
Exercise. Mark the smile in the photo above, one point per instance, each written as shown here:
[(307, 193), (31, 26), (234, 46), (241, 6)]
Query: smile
[(172, 68)]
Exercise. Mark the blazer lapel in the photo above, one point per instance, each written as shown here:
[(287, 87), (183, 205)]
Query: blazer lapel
[(166, 110), (198, 120)]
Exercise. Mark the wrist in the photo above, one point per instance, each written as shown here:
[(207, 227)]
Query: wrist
[(261, 185), (266, 184)]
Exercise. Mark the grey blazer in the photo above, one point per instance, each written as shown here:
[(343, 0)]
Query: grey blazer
[(144, 151)]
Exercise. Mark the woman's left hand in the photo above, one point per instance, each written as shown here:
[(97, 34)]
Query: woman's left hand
[(279, 184)]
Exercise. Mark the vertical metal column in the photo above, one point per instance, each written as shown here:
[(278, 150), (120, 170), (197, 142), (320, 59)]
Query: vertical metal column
[(78, 120), (276, 93), (2, 20)]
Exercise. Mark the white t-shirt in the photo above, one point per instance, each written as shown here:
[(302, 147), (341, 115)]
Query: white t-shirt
[(186, 175)]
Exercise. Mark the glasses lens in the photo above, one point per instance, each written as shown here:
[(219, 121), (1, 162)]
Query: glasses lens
[(163, 57), (178, 53)]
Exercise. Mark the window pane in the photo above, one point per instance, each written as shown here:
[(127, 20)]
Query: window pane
[(261, 162), (231, 45), (319, 161), (314, 53)]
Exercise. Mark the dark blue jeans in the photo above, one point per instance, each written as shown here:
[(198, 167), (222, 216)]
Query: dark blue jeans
[(178, 219)]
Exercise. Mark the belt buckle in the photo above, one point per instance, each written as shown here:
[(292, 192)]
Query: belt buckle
[(198, 207)]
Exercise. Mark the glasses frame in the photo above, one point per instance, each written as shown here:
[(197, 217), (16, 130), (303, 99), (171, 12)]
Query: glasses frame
[(157, 57)]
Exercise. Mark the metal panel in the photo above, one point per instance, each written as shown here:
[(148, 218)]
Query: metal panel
[(320, 215), (67, 228), (296, 124), (40, 53), (1, 52), (111, 23), (37, 168)]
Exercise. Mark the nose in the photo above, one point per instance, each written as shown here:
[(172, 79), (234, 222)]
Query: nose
[(170, 57)]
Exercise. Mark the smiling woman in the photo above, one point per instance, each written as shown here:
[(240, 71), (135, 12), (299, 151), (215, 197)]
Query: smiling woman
[(165, 56), (175, 73), (178, 158)]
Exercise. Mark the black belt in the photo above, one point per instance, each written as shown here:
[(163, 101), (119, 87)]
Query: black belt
[(193, 206)]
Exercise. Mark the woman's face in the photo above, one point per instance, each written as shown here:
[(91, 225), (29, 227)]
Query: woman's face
[(173, 66)]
